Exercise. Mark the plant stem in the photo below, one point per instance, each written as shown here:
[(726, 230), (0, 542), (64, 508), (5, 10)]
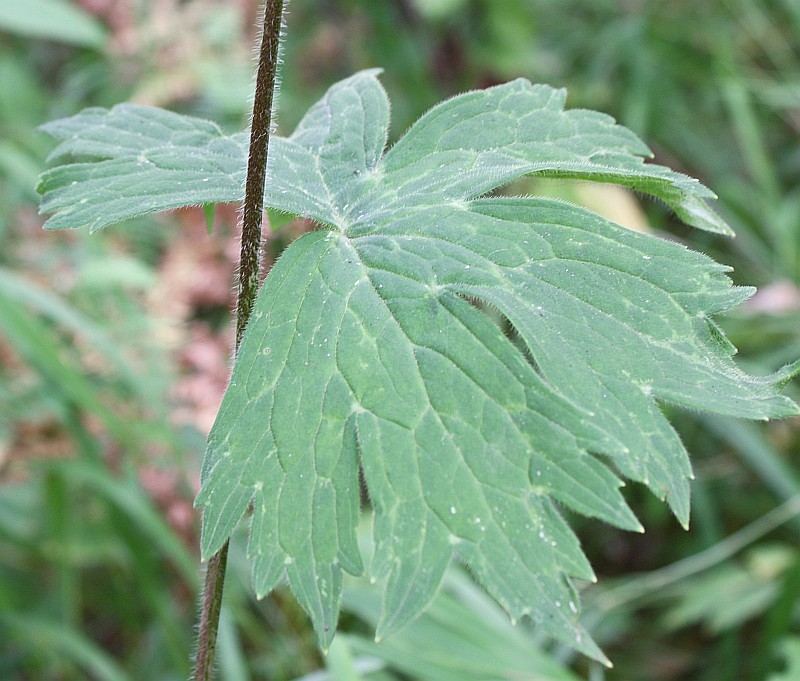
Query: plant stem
[(249, 266), (249, 258)]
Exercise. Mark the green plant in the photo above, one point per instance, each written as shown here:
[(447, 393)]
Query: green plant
[(478, 359)]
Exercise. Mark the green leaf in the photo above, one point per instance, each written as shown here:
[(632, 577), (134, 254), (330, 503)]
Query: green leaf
[(120, 163), (131, 160), (478, 361), (368, 348)]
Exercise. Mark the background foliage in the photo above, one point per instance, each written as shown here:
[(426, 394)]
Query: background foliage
[(113, 348)]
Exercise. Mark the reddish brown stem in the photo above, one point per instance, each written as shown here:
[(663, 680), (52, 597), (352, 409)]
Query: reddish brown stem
[(249, 267)]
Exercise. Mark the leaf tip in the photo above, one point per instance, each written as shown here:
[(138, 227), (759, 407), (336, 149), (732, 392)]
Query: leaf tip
[(786, 374), (392, 622), (325, 635), (584, 643)]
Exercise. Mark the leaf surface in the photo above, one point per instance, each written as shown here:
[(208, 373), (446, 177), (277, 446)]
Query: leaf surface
[(476, 362), (120, 163), (368, 350), (130, 160)]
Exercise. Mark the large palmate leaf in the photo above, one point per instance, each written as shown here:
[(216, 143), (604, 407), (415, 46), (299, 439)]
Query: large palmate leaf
[(370, 354)]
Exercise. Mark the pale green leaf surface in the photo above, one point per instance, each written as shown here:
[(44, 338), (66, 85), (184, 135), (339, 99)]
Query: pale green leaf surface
[(132, 160), (365, 350), (119, 163)]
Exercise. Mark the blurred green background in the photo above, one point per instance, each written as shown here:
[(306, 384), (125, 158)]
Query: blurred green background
[(114, 349)]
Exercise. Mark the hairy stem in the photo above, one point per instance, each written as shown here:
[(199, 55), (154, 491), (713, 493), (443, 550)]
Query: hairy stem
[(249, 257), (249, 266)]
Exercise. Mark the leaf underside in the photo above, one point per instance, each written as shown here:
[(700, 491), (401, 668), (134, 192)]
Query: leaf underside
[(480, 361)]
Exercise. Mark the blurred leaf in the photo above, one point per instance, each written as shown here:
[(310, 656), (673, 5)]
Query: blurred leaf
[(438, 9), (231, 656), (121, 271), (35, 343), (463, 636), (127, 496), (23, 294), (721, 599), (779, 620), (340, 661), (19, 510), (754, 448), (19, 168), (23, 98), (790, 647), (52, 20), (44, 637)]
